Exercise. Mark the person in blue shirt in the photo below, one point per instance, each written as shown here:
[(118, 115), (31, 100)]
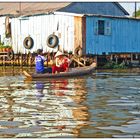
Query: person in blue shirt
[(39, 62)]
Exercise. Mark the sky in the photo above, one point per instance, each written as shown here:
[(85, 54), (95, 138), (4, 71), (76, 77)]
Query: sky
[(130, 6)]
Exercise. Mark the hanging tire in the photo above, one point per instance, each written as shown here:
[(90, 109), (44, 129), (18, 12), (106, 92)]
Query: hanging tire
[(28, 43), (10, 55), (52, 41), (78, 52)]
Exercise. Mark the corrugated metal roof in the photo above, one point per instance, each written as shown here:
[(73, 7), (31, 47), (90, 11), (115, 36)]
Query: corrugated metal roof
[(102, 8), (117, 4), (33, 8), (29, 8)]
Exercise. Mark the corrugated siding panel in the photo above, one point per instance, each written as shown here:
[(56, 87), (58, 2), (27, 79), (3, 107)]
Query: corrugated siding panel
[(2, 28), (39, 28), (124, 36)]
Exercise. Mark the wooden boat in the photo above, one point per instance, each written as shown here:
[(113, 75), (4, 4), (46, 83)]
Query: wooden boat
[(78, 71)]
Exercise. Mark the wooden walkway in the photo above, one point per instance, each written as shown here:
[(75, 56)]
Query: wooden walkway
[(29, 60)]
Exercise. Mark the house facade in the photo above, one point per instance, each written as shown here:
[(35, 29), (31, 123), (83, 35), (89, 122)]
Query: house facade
[(87, 25), (106, 35), (39, 28)]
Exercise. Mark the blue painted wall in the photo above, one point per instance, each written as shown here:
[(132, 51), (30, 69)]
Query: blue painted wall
[(121, 35)]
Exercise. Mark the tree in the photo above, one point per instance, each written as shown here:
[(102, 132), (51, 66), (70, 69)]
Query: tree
[(137, 13)]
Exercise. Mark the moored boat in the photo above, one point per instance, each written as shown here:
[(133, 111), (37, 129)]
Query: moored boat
[(78, 71)]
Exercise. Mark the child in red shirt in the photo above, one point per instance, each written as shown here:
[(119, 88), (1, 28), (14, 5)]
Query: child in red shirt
[(62, 63)]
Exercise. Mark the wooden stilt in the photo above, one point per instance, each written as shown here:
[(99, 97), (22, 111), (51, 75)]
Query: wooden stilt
[(4, 61), (116, 59), (29, 61), (78, 62), (84, 61), (96, 60), (131, 58), (18, 59), (21, 60)]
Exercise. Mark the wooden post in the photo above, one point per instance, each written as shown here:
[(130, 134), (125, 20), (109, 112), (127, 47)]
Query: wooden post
[(18, 59), (96, 60), (116, 59), (29, 61), (33, 60), (21, 60), (12, 62), (4, 61), (111, 57), (131, 57), (84, 60), (79, 61), (139, 58)]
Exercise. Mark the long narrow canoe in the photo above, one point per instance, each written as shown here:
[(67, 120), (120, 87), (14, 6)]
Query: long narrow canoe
[(78, 71)]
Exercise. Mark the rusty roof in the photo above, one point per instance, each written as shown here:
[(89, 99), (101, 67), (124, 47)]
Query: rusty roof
[(29, 8)]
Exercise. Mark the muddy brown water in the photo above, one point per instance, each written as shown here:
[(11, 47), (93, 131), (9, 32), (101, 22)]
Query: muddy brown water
[(105, 104)]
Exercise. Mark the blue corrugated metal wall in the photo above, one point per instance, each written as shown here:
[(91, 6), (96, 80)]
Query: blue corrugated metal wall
[(122, 35)]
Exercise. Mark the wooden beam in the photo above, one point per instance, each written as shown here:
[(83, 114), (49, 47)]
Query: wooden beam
[(78, 61)]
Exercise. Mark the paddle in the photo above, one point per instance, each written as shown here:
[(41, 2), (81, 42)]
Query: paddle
[(27, 74)]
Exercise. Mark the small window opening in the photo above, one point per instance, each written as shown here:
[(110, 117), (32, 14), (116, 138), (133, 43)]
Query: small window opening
[(101, 27)]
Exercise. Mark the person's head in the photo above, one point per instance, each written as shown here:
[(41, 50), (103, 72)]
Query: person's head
[(39, 51), (59, 54)]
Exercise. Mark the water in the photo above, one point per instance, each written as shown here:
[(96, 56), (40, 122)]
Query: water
[(103, 105)]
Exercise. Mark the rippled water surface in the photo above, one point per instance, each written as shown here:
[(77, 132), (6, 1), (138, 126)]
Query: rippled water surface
[(102, 105)]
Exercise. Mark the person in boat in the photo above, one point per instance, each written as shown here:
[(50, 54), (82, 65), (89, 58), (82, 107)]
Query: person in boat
[(39, 63), (62, 63)]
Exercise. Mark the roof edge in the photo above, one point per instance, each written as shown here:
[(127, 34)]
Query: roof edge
[(69, 14), (126, 13), (108, 16)]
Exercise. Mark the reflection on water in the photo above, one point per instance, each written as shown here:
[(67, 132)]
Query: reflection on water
[(101, 105)]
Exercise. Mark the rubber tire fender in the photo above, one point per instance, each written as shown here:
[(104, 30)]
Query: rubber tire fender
[(28, 42), (52, 41), (10, 55), (78, 52)]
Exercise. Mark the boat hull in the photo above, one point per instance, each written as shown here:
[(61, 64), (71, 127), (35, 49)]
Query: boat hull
[(80, 71)]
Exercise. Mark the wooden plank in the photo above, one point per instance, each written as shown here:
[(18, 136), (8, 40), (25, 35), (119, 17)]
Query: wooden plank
[(78, 62), (80, 33), (83, 28), (77, 32)]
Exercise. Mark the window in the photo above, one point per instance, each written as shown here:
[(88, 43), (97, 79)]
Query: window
[(108, 28), (101, 27)]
